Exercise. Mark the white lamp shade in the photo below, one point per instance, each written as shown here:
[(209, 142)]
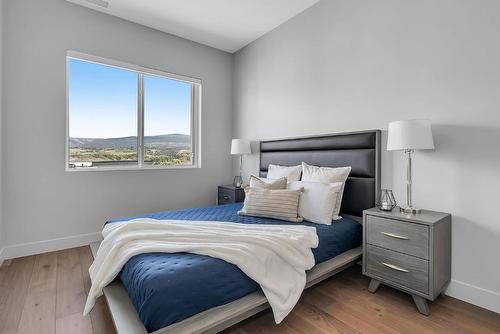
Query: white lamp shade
[(415, 134), (240, 146)]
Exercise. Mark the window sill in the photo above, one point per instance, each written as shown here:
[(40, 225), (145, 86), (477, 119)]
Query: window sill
[(115, 168)]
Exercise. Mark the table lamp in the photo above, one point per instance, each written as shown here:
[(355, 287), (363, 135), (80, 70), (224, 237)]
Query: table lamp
[(408, 136), (240, 147)]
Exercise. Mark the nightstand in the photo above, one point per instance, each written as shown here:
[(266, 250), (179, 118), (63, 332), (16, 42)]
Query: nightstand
[(230, 194), (409, 252)]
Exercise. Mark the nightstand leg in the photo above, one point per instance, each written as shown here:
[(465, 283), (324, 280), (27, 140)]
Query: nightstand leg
[(421, 305), (374, 284)]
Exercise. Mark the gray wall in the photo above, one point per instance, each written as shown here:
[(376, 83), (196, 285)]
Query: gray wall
[(351, 65), (45, 202)]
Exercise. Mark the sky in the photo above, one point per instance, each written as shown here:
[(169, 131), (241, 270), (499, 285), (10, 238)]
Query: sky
[(103, 102)]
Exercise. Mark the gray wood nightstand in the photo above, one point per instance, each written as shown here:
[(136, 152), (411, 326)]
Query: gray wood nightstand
[(230, 194), (410, 252)]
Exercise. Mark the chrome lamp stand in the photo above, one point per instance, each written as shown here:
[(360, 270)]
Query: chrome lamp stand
[(408, 207)]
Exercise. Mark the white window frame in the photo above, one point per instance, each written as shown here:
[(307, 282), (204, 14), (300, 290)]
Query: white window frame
[(141, 71)]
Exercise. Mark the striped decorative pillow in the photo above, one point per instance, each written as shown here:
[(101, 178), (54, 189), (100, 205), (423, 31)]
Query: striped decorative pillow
[(272, 203)]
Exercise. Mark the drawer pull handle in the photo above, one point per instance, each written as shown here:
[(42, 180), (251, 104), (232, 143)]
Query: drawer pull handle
[(394, 235), (395, 267), (226, 197)]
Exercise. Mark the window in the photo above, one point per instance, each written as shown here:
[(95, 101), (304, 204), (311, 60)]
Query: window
[(122, 116)]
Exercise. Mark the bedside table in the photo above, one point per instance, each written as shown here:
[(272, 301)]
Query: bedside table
[(230, 194), (411, 253)]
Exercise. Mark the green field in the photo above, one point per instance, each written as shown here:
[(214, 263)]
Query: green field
[(151, 156)]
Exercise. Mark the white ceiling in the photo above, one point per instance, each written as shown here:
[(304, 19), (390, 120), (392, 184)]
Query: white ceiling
[(228, 25)]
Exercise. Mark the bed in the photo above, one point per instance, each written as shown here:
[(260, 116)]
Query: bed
[(189, 293)]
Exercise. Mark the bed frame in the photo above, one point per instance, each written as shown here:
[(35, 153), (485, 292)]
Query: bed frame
[(361, 150)]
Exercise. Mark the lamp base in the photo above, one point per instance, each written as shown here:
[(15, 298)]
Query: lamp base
[(238, 181), (410, 210)]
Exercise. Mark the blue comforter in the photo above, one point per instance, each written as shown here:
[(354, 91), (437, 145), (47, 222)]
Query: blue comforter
[(167, 288)]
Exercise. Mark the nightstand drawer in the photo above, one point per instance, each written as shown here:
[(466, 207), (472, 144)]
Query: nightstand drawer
[(407, 238), (407, 271), (226, 196)]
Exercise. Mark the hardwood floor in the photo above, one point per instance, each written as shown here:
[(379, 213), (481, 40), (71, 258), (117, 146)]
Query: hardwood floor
[(46, 293)]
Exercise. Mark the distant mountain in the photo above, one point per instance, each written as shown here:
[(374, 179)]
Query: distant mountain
[(174, 140)]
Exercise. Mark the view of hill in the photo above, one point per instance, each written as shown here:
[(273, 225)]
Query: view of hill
[(170, 141), (170, 149)]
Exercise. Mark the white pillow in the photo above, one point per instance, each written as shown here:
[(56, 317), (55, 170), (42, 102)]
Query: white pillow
[(327, 175), (317, 201), (291, 173)]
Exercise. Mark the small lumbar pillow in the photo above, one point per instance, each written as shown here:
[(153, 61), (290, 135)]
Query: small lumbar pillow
[(291, 173), (327, 175), (317, 201), (272, 203), (257, 182)]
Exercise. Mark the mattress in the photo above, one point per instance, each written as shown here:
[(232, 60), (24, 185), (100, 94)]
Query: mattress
[(168, 288)]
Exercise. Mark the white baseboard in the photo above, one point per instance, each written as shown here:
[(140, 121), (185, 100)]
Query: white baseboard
[(475, 295), (2, 250), (38, 247)]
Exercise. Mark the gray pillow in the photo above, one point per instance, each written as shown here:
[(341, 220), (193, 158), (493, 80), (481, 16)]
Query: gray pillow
[(256, 182)]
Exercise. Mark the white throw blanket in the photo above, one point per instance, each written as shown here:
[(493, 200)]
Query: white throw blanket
[(274, 256)]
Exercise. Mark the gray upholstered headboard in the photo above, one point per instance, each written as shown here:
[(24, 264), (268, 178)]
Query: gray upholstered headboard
[(360, 150)]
